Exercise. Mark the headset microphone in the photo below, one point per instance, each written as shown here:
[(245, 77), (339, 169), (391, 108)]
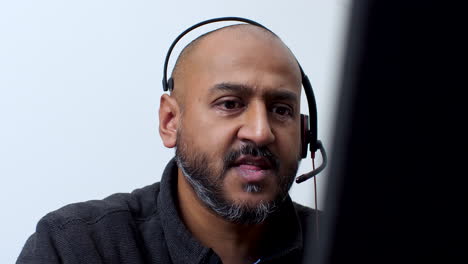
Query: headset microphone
[(311, 174), (308, 135)]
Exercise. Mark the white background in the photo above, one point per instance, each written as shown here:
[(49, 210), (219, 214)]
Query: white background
[(80, 83)]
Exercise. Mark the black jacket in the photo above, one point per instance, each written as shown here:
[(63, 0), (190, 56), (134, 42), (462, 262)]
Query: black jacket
[(145, 227)]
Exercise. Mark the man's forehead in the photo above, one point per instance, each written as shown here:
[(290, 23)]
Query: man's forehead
[(223, 55)]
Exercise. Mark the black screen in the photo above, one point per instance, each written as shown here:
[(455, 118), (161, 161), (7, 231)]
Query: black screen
[(397, 192)]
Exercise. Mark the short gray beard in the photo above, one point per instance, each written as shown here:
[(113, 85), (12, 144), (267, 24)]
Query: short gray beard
[(230, 211), (208, 187)]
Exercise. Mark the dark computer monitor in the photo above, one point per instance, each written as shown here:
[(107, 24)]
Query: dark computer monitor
[(396, 188)]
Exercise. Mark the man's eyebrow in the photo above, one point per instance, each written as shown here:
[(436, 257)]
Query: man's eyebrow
[(282, 95), (246, 90), (231, 87)]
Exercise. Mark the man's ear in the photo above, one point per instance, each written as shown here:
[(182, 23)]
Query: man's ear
[(169, 115)]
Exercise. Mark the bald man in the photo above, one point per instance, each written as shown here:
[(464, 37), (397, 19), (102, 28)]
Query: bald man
[(233, 119)]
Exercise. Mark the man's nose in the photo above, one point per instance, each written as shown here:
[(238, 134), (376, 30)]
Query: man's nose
[(256, 125)]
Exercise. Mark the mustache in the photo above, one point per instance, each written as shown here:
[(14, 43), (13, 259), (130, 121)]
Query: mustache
[(251, 149)]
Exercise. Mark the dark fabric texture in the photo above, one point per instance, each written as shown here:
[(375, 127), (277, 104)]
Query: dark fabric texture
[(145, 227)]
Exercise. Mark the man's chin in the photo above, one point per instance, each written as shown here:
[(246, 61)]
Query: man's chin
[(249, 212), (253, 199)]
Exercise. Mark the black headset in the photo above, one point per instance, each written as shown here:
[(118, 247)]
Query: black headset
[(308, 136)]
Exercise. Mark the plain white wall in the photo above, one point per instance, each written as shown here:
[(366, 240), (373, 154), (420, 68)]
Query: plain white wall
[(80, 83)]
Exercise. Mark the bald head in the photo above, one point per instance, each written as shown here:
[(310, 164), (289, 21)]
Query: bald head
[(227, 43)]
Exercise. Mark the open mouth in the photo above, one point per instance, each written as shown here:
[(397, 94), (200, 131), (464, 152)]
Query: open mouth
[(253, 169)]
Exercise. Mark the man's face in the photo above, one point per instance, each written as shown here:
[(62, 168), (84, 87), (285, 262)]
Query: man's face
[(238, 140)]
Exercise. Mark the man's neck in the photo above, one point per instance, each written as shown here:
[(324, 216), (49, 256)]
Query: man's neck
[(233, 243)]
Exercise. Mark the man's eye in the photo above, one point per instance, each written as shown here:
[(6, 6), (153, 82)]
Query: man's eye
[(230, 104), (282, 110)]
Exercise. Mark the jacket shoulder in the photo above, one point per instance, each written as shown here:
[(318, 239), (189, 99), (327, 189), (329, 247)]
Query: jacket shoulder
[(92, 227), (139, 204)]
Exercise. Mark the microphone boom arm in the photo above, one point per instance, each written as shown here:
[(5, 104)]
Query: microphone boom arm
[(311, 174)]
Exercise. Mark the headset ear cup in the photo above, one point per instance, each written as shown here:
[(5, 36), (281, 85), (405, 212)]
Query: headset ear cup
[(170, 85), (304, 135)]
